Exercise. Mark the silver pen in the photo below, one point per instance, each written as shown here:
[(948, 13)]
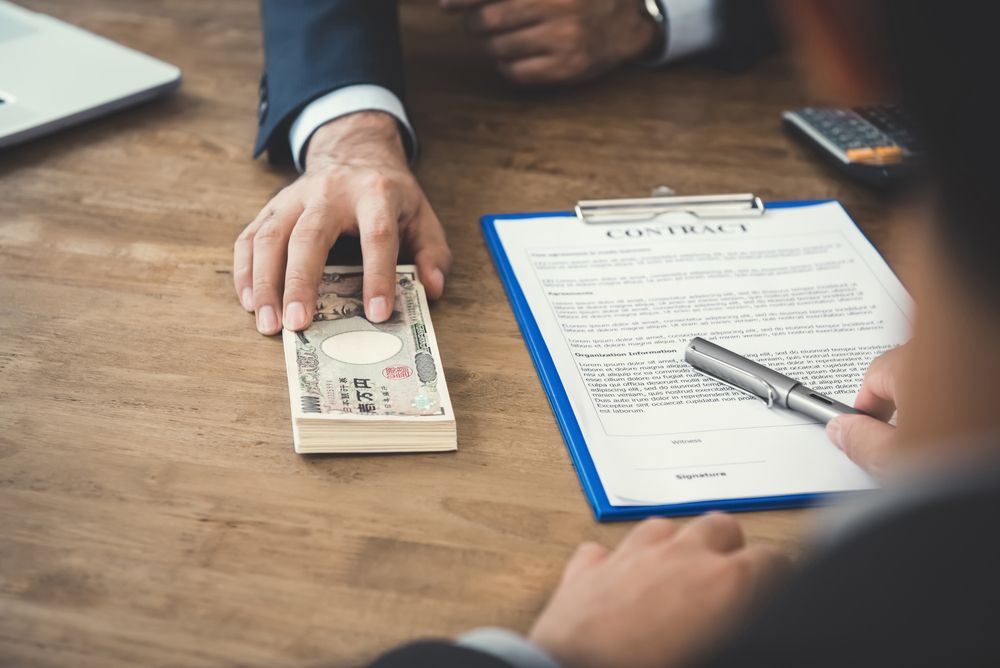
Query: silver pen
[(771, 387)]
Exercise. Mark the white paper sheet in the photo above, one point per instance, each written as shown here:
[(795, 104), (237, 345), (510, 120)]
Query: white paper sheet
[(798, 289)]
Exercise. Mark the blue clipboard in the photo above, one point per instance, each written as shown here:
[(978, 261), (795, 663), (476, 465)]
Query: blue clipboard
[(568, 425)]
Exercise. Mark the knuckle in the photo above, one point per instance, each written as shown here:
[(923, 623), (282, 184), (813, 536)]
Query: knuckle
[(380, 231), (848, 438), (269, 213), (730, 575), (380, 279), (262, 285), (587, 553), (572, 32), (296, 278), (310, 229), (490, 17), (658, 524), (241, 272), (245, 235), (333, 183), (379, 186), (654, 530), (267, 235), (722, 522), (327, 181)]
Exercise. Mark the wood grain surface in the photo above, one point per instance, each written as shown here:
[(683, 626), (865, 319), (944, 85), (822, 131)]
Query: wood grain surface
[(152, 512)]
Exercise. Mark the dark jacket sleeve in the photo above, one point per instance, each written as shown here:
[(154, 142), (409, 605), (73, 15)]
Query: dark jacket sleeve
[(748, 34), (312, 47), (437, 654), (918, 590)]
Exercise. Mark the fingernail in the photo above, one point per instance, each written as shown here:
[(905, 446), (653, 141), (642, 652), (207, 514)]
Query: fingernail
[(295, 316), (267, 321), (437, 282), (246, 297), (833, 432), (378, 309)]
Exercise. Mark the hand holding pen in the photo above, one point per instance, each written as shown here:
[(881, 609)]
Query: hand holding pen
[(861, 432), (867, 437)]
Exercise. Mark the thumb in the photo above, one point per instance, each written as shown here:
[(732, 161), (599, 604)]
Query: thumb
[(870, 443)]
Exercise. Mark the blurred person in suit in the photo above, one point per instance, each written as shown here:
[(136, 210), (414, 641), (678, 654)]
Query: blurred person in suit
[(332, 103), (909, 576)]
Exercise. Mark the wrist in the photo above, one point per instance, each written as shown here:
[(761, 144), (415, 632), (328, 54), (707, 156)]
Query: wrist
[(555, 643), (364, 136), (651, 29)]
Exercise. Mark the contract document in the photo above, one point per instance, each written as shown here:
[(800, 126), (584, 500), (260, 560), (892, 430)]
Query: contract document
[(798, 289)]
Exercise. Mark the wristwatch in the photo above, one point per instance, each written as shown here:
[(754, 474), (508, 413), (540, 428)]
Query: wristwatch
[(654, 10)]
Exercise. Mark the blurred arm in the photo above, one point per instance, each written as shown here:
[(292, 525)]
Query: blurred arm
[(746, 33)]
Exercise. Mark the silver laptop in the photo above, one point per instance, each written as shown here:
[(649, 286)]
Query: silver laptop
[(53, 75)]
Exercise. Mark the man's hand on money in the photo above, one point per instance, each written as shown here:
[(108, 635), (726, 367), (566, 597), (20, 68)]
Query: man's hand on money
[(356, 182)]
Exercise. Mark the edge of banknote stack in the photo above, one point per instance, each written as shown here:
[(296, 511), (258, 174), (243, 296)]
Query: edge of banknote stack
[(362, 387)]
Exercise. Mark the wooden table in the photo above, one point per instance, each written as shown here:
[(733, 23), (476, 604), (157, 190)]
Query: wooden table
[(152, 511)]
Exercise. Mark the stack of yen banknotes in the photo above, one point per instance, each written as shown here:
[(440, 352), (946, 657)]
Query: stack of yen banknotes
[(357, 386)]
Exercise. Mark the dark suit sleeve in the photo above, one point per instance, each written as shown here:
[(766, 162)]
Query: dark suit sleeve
[(312, 47), (437, 654), (918, 590), (748, 34)]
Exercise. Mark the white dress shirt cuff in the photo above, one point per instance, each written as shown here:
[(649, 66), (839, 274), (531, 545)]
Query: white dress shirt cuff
[(691, 26), (341, 102), (507, 646)]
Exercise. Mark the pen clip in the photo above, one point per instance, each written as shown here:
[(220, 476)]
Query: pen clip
[(772, 394)]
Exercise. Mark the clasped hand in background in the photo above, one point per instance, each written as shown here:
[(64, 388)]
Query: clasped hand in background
[(559, 41)]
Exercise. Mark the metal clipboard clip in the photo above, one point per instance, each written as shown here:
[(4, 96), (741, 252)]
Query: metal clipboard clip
[(741, 205)]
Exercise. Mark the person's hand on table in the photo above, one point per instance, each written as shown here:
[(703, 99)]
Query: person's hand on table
[(871, 442), (356, 182), (657, 598), (559, 41)]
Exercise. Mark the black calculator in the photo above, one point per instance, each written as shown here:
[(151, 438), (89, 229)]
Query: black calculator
[(876, 145)]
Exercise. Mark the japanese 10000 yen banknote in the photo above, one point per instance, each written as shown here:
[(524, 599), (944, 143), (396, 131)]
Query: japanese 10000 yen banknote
[(345, 367)]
